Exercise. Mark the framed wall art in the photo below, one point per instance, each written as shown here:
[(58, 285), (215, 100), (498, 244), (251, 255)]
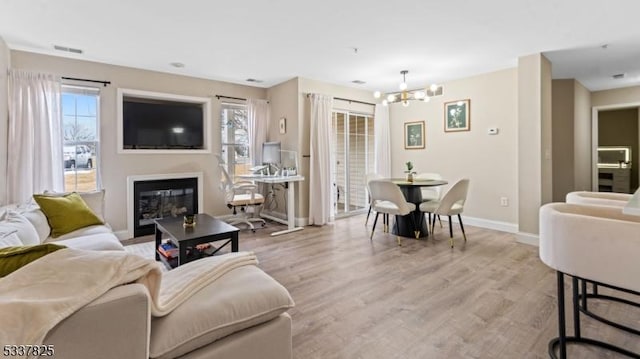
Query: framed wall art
[(457, 116), (414, 135)]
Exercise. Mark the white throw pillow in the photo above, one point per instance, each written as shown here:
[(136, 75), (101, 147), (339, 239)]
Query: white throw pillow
[(9, 239), (39, 222), (24, 229), (95, 200)]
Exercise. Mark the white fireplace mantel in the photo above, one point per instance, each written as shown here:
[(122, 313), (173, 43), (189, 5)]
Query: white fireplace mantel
[(132, 179)]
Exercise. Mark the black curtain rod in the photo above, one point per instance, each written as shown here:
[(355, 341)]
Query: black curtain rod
[(356, 101), (104, 83), (232, 98), (350, 100)]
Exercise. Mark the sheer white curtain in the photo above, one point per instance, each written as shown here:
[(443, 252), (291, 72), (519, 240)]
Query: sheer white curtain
[(35, 161), (382, 142), (258, 118), (320, 188)]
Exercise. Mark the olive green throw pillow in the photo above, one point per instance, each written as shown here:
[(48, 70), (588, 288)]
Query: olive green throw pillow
[(66, 213), (14, 258)]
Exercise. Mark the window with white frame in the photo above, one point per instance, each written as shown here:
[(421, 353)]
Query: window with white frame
[(81, 138), (235, 138)]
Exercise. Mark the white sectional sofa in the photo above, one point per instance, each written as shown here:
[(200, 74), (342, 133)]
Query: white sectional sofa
[(32, 226), (241, 315)]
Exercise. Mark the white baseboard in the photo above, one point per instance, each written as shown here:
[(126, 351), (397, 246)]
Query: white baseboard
[(528, 238), (122, 235), (485, 223)]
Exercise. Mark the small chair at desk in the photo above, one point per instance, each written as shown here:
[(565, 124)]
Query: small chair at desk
[(241, 194)]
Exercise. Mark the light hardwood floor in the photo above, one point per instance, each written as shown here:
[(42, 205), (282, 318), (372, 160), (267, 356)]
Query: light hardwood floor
[(356, 298)]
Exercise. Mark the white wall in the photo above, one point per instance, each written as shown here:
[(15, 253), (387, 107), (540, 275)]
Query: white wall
[(489, 161), (116, 167)]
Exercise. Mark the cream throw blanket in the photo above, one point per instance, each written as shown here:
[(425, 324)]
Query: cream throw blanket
[(40, 295)]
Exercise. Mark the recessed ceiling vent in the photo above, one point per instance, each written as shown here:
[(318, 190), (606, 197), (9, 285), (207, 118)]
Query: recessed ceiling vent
[(358, 82), (67, 49), (618, 76), (254, 81)]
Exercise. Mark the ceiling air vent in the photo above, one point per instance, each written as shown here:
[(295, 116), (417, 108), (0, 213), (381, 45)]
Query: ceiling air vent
[(618, 76), (67, 49), (437, 91), (254, 80), (358, 82)]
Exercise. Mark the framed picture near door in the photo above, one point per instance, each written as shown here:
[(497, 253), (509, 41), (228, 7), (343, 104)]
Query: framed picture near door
[(456, 116), (414, 135)]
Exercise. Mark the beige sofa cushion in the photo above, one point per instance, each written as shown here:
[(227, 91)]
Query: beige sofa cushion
[(242, 298), (24, 229), (9, 239), (81, 232), (96, 242), (39, 222)]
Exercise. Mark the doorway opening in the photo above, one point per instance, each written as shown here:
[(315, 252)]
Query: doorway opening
[(616, 148), (353, 141)]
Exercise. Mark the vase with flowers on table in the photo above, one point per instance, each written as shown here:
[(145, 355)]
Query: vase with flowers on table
[(409, 171)]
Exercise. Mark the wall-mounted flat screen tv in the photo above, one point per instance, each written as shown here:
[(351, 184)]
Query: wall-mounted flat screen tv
[(162, 124)]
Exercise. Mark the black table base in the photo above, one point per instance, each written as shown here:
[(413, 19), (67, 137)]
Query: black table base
[(403, 226)]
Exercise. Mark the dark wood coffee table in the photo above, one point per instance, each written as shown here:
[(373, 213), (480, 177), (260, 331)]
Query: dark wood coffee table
[(207, 229)]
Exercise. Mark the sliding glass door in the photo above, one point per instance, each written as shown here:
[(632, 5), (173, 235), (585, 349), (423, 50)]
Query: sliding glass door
[(352, 136)]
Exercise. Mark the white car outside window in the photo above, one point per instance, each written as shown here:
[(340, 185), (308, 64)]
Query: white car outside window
[(77, 156)]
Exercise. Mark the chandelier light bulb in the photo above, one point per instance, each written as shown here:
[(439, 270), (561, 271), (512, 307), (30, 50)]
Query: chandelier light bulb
[(426, 99), (377, 94), (433, 87), (405, 103), (403, 86), (385, 103), (419, 95), (391, 98)]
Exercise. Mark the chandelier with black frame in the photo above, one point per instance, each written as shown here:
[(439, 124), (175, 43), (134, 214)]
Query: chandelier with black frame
[(404, 95)]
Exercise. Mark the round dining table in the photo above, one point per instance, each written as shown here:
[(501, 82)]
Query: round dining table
[(411, 189)]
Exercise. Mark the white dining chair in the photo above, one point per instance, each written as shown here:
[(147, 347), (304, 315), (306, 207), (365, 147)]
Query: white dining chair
[(431, 193), (388, 199), (368, 178), (451, 204)]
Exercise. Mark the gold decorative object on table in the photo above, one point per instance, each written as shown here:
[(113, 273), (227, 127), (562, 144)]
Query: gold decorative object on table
[(189, 221)]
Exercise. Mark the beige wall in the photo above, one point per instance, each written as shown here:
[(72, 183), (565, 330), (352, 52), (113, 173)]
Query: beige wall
[(116, 167), (489, 161), (563, 113), (616, 96), (547, 130), (283, 103), (534, 140), (582, 137), (4, 115)]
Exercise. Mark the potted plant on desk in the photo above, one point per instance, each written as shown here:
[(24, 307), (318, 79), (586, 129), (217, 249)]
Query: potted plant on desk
[(409, 171)]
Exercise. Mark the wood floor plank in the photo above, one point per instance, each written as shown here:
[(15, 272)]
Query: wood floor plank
[(490, 297)]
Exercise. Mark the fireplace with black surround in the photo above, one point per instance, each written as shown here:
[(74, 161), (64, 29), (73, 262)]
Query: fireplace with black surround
[(162, 198)]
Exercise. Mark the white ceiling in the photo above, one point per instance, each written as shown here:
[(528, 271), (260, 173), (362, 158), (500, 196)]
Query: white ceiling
[(276, 40)]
